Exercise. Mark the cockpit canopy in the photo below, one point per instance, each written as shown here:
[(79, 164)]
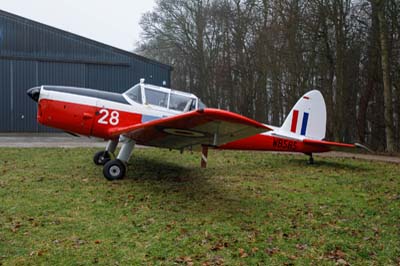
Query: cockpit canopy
[(164, 97)]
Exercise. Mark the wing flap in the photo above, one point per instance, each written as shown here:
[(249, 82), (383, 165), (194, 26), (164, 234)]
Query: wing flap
[(212, 127)]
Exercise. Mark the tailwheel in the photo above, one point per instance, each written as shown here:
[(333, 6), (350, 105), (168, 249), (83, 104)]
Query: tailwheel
[(311, 159), (114, 170), (101, 157)]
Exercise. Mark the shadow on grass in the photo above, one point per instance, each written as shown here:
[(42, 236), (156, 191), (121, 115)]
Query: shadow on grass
[(327, 163), (144, 168), (192, 190), (218, 190)]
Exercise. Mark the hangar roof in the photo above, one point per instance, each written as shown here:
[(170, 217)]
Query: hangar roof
[(22, 38)]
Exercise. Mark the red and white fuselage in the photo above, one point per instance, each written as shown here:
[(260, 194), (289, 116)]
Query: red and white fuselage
[(161, 117), (92, 113)]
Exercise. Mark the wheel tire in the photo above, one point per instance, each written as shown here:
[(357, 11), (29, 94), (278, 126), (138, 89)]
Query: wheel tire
[(114, 170), (101, 157)]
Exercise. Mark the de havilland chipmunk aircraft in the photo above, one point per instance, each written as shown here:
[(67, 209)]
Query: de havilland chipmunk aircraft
[(161, 117)]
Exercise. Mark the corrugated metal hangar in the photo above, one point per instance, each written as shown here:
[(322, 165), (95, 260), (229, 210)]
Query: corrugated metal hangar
[(33, 54)]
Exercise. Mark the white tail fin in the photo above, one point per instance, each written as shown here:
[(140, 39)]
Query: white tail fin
[(308, 117)]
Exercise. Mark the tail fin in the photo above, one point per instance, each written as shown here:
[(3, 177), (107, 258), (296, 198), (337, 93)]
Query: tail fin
[(308, 116)]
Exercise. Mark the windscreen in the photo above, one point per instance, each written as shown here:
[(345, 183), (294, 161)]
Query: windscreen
[(179, 102), (158, 98), (135, 94), (201, 105)]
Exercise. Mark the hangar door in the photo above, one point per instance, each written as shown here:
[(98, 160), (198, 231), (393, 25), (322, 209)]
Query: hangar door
[(5, 95), (18, 111)]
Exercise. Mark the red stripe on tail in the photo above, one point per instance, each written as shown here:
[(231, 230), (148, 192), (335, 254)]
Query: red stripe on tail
[(294, 121)]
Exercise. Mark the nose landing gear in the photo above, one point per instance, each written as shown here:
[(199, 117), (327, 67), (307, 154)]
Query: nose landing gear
[(102, 157)]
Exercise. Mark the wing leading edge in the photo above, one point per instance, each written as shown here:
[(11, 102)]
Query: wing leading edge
[(208, 126)]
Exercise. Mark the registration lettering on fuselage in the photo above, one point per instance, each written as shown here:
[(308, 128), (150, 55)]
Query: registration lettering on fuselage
[(284, 144)]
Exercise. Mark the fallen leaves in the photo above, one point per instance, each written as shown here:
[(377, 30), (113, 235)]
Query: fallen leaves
[(37, 253), (219, 245), (272, 251), (337, 255), (242, 253), (79, 242), (301, 246), (170, 226), (342, 262), (15, 226), (215, 261), (185, 260), (254, 250)]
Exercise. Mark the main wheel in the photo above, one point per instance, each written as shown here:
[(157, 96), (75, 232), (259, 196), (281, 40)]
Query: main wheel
[(101, 157), (114, 170)]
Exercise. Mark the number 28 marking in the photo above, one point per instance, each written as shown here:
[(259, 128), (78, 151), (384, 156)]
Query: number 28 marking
[(108, 118)]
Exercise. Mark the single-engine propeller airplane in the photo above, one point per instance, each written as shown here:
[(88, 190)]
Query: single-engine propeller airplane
[(161, 117)]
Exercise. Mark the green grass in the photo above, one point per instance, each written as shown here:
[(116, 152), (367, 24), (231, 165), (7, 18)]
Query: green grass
[(246, 208)]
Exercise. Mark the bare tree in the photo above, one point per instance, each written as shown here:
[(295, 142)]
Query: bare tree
[(257, 57), (387, 87)]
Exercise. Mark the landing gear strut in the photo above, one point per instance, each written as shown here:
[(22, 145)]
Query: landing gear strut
[(116, 169), (204, 154), (102, 157)]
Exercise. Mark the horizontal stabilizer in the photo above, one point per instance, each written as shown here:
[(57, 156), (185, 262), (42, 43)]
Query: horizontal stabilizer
[(335, 146)]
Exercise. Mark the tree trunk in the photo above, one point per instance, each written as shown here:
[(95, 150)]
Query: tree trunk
[(387, 87)]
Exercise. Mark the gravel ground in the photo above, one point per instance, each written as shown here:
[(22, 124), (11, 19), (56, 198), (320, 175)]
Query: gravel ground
[(48, 140)]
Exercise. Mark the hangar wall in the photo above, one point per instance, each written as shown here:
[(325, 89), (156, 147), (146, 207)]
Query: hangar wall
[(34, 54)]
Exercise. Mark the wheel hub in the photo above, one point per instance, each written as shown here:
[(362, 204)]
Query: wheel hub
[(114, 170)]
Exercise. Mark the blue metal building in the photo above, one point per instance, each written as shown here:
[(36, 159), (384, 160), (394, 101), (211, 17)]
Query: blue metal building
[(33, 54)]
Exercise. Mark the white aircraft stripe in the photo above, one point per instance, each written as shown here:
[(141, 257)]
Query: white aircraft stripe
[(204, 158), (102, 103)]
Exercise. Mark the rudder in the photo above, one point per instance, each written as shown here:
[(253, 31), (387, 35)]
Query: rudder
[(308, 116)]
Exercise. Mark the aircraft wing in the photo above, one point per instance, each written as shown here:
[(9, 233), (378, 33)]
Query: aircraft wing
[(208, 126)]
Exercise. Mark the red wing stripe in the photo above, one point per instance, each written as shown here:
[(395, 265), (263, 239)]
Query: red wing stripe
[(294, 121), (192, 119)]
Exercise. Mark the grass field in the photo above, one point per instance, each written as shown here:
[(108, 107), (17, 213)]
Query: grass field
[(246, 208)]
